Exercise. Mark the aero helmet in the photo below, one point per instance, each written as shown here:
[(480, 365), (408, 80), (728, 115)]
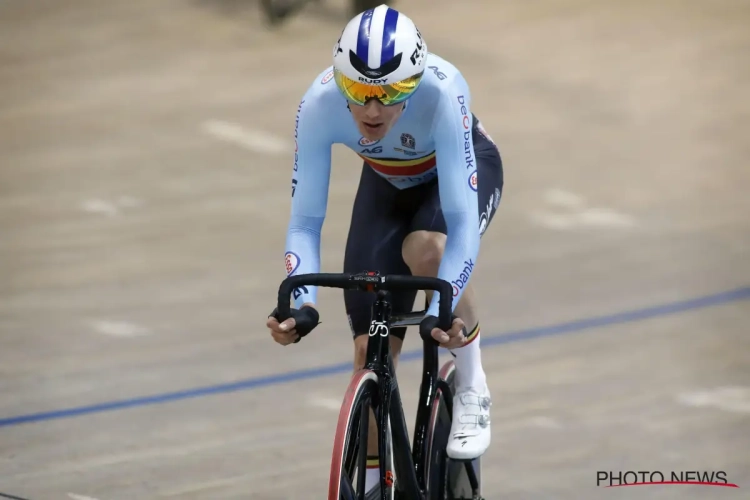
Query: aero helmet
[(380, 55)]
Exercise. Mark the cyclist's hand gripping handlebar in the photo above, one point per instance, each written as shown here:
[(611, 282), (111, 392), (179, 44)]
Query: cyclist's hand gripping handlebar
[(307, 317)]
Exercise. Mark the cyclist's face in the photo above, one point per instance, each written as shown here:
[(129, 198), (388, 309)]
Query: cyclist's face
[(375, 120)]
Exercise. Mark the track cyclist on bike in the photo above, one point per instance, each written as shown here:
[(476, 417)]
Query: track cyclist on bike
[(407, 114)]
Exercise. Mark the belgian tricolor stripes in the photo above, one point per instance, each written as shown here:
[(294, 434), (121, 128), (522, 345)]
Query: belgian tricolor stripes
[(472, 335), (389, 166)]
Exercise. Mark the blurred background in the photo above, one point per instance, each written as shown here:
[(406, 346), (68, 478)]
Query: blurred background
[(145, 166)]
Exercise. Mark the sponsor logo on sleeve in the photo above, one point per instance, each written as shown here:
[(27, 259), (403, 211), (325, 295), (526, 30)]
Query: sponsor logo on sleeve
[(466, 123), (296, 136), (463, 278), (473, 181), (291, 261), (327, 78)]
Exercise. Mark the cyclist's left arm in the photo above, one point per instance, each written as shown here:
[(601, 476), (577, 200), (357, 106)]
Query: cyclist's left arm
[(452, 133), (310, 181)]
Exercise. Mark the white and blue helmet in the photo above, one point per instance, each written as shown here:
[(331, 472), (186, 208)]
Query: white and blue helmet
[(379, 48)]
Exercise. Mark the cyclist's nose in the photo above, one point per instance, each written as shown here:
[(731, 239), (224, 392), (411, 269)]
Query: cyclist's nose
[(373, 109)]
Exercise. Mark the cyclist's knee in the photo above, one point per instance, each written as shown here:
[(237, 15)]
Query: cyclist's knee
[(422, 251)]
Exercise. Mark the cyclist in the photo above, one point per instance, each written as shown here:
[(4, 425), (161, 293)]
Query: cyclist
[(407, 113)]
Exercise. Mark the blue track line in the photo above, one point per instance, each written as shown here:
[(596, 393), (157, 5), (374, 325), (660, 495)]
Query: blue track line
[(322, 371)]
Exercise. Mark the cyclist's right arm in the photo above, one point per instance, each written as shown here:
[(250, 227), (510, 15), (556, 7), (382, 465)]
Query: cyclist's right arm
[(310, 180)]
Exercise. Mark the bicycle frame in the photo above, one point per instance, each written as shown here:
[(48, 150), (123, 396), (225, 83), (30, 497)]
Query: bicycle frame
[(410, 468)]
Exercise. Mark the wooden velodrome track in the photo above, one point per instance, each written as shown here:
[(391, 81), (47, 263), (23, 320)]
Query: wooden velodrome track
[(145, 164)]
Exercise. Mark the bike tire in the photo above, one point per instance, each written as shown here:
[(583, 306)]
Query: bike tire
[(439, 432), (349, 454)]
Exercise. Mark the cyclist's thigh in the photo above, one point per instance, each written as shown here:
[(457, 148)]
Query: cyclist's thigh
[(429, 217), (489, 175), (377, 229)]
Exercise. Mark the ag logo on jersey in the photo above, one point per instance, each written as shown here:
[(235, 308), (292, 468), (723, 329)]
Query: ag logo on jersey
[(367, 142), (437, 72), (327, 78), (291, 261)]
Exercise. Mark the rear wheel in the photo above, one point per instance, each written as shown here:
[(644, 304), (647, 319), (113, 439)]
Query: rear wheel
[(349, 458), (447, 479)]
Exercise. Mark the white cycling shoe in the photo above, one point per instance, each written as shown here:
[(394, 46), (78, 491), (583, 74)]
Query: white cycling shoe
[(470, 430)]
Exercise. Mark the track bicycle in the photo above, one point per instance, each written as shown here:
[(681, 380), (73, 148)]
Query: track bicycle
[(422, 471)]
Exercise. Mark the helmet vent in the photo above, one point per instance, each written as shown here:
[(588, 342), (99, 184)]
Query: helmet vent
[(386, 69)]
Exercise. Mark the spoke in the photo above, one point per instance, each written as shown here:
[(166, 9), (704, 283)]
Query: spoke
[(350, 454), (364, 419)]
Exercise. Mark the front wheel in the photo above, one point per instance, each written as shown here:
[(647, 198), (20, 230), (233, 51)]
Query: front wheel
[(438, 431), (349, 458)]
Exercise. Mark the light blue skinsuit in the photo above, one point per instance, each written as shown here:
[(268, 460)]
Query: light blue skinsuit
[(432, 137)]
